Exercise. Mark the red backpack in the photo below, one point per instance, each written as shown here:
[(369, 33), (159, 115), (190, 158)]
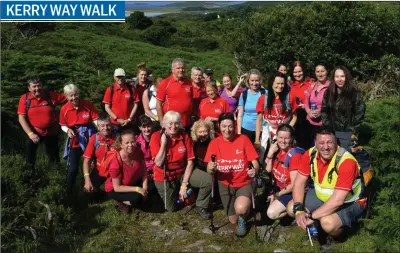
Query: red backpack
[(109, 156)]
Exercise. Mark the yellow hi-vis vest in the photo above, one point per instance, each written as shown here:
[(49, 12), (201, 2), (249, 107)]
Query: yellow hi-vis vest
[(324, 190)]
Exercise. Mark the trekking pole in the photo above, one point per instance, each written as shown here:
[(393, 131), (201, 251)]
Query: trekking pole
[(254, 204), (212, 227), (165, 187), (309, 236)]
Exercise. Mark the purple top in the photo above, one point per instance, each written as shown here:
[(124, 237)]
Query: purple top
[(232, 101), (144, 146)]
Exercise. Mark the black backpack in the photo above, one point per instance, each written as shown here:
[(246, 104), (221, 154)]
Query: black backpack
[(46, 96)]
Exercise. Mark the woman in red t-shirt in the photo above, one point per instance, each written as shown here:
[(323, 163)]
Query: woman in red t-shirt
[(172, 151), (283, 173), (213, 105), (299, 87), (276, 107), (78, 118), (233, 153), (127, 180)]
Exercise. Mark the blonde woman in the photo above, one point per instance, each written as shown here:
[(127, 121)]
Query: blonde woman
[(202, 133)]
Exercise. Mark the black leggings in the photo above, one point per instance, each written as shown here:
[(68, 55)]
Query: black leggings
[(134, 198), (250, 134), (74, 157)]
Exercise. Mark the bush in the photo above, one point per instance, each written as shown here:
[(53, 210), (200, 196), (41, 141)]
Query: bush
[(137, 20)]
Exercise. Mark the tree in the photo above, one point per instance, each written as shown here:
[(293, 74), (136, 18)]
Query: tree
[(138, 20)]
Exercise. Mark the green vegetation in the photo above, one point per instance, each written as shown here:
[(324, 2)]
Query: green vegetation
[(363, 36)]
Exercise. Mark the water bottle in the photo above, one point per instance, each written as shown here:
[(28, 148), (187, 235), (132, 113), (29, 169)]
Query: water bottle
[(188, 193), (314, 106), (313, 230)]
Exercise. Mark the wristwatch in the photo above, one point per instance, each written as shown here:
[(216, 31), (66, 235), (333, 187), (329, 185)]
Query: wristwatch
[(298, 206)]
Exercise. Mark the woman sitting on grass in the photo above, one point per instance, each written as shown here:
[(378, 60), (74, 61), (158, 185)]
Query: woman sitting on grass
[(127, 180)]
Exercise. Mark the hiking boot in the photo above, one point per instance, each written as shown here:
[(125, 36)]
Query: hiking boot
[(241, 228), (121, 207), (203, 212)]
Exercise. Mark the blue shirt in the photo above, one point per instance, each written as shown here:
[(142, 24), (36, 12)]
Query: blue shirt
[(249, 114)]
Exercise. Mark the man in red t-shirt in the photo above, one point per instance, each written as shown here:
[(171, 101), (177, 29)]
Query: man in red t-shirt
[(175, 93), (95, 151), (121, 101), (335, 202), (199, 91), (38, 118)]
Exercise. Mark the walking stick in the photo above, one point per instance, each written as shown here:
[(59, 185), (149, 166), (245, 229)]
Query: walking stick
[(253, 201), (212, 227)]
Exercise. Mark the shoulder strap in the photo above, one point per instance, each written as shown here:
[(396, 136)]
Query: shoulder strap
[(287, 102), (130, 93), (27, 102), (245, 98), (48, 98), (97, 143), (112, 94), (263, 91), (312, 157), (339, 156), (291, 153)]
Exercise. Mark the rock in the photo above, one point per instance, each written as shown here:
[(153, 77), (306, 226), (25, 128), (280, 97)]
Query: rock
[(281, 239), (198, 243), (206, 231), (281, 251), (216, 247), (156, 223), (181, 232), (263, 233)]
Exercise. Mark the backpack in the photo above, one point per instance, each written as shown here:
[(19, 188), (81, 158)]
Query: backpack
[(130, 93), (46, 96), (362, 158), (109, 156), (149, 93), (292, 152), (263, 91)]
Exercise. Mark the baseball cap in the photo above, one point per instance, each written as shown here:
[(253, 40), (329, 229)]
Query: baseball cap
[(119, 72), (208, 71)]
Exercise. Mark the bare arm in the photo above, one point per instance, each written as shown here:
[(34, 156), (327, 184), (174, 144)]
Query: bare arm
[(294, 119), (234, 91), (258, 126), (118, 187), (188, 171), (298, 188), (145, 101), (330, 206), (23, 121), (109, 111), (162, 153), (134, 109), (159, 111), (239, 119)]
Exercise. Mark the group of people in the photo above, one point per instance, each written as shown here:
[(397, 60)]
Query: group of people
[(169, 137)]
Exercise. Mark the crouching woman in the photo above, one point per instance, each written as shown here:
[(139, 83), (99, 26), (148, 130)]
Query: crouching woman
[(233, 153), (172, 151), (282, 160), (127, 180)]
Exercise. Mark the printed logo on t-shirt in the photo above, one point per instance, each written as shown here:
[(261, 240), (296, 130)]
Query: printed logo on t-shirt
[(188, 89), (218, 111), (238, 151), (181, 149), (85, 115), (230, 165), (127, 95)]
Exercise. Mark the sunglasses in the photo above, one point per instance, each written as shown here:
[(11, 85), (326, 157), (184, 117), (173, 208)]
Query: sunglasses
[(120, 77)]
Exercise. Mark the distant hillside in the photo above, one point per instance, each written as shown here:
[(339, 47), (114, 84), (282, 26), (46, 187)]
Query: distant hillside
[(201, 4)]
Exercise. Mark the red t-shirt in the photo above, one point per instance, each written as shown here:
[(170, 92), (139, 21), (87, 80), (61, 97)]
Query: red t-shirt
[(121, 103), (100, 152), (280, 172), (179, 150), (347, 172), (83, 115), (198, 94), (42, 117), (129, 175), (140, 90), (275, 116), (214, 108), (176, 96), (232, 159), (298, 90)]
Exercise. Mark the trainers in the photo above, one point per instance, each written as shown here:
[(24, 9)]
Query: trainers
[(203, 212), (121, 207), (241, 228)]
